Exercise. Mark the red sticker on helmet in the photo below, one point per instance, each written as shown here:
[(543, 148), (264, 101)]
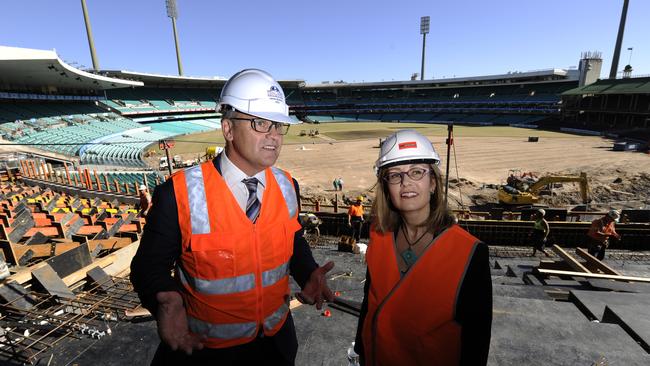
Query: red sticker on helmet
[(408, 145)]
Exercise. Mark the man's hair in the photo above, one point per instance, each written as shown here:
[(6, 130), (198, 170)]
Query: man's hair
[(387, 218)]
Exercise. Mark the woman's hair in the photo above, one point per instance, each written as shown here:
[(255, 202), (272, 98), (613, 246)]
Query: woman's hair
[(387, 217)]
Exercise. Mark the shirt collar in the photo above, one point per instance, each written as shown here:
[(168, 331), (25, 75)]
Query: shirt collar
[(233, 175)]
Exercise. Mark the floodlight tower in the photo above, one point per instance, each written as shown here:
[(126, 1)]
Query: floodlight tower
[(619, 41), (89, 32), (172, 12), (424, 29)]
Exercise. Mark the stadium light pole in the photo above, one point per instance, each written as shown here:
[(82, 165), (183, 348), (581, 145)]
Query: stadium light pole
[(172, 12), (424, 29), (619, 41), (89, 32)]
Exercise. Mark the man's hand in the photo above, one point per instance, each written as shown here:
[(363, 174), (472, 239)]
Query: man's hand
[(316, 289), (172, 323)]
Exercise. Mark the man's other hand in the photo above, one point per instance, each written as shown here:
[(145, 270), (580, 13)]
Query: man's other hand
[(316, 290), (172, 323)]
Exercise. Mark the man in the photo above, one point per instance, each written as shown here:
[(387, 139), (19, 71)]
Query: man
[(600, 232), (145, 201), (229, 229), (355, 218)]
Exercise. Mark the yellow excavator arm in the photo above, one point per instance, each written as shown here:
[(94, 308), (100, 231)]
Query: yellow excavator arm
[(530, 196)]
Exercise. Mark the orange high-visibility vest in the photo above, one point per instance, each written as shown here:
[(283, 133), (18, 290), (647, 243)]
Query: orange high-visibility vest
[(410, 319), (234, 272)]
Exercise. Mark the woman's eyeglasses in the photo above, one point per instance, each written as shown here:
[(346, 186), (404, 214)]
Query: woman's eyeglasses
[(264, 125), (413, 173)]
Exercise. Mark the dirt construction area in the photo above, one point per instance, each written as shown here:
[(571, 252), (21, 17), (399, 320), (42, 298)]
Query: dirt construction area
[(481, 159)]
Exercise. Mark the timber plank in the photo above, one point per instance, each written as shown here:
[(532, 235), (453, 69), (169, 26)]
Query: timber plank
[(573, 263)]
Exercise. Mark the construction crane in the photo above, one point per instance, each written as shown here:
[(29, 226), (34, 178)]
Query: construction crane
[(512, 194)]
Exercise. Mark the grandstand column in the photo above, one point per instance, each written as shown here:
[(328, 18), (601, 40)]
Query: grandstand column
[(117, 186), (136, 189), (144, 179), (108, 186), (32, 166), (99, 184), (51, 171), (76, 183), (126, 188), (89, 183), (81, 176), (23, 171), (67, 173)]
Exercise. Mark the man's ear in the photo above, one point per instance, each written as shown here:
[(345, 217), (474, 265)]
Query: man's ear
[(227, 129)]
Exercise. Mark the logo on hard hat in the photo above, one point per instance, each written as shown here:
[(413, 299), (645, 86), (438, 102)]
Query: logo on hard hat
[(275, 93), (408, 145)]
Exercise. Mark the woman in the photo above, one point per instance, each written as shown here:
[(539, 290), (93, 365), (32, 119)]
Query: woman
[(539, 233), (428, 290)]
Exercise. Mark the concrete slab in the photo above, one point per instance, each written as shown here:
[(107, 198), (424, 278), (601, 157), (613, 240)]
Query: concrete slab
[(634, 319), (611, 285), (527, 292), (592, 303), (527, 339), (538, 309), (507, 280)]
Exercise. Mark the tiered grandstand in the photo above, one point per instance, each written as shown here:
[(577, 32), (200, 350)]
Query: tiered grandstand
[(515, 98)]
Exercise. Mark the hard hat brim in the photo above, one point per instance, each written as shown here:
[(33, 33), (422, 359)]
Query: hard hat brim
[(275, 117)]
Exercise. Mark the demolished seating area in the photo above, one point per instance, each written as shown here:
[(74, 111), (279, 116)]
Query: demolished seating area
[(67, 257)]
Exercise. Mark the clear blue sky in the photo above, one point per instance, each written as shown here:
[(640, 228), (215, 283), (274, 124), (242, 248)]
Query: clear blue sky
[(352, 40)]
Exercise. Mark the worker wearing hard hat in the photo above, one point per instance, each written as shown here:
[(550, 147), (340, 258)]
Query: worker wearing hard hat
[(229, 228), (539, 234), (600, 232), (355, 218), (145, 200), (428, 290)]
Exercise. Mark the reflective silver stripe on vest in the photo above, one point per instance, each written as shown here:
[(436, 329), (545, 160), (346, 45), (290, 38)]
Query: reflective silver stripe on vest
[(218, 287), (197, 202), (286, 186), (222, 331), (272, 320), (274, 275)]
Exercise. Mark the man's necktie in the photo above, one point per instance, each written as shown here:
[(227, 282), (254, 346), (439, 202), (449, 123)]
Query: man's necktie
[(253, 204)]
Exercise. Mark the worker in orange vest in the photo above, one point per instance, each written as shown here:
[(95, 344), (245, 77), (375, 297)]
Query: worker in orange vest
[(428, 289), (600, 232), (355, 218), (229, 230)]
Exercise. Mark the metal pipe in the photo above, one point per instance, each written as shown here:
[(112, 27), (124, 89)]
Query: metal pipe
[(89, 32), (178, 52), (619, 41), (450, 141)]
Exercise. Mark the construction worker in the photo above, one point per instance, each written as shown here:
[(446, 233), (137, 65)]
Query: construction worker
[(600, 232), (229, 229), (539, 234), (355, 218), (145, 200), (428, 289)]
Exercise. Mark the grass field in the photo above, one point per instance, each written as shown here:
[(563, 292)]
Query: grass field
[(361, 130)]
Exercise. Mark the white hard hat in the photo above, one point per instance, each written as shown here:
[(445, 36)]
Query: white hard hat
[(255, 92), (142, 187), (614, 214), (541, 211), (404, 146)]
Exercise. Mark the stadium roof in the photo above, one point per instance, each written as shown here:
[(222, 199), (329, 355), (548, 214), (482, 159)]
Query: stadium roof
[(511, 77), (182, 81), (24, 68), (614, 86)]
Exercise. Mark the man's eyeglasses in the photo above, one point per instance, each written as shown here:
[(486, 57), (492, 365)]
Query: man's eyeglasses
[(264, 125), (413, 173)]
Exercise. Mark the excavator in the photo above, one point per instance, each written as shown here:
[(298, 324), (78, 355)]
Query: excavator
[(517, 192)]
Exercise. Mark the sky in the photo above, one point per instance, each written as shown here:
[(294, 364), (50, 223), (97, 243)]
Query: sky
[(349, 40)]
